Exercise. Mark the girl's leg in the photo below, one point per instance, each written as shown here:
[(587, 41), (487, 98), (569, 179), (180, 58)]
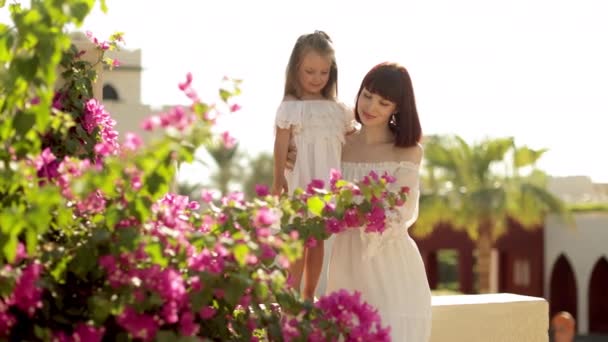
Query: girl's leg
[(294, 273), (312, 269)]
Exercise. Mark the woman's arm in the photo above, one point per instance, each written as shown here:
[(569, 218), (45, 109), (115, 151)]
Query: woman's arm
[(281, 144)]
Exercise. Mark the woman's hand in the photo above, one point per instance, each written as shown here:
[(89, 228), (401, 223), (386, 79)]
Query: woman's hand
[(279, 186), (291, 157)]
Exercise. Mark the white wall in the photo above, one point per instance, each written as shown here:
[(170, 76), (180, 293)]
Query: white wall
[(583, 245)]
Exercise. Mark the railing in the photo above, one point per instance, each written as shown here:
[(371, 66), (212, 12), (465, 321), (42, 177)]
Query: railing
[(490, 318)]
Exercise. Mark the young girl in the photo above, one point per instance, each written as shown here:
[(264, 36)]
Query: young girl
[(313, 120)]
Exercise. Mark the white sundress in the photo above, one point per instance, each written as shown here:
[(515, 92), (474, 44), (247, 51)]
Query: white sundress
[(387, 269)]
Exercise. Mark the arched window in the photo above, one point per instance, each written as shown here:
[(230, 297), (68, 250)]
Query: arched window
[(562, 288), (110, 93)]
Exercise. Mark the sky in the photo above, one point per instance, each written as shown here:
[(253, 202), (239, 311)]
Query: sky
[(533, 69)]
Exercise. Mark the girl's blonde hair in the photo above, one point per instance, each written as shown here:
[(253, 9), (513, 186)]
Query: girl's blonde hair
[(320, 43)]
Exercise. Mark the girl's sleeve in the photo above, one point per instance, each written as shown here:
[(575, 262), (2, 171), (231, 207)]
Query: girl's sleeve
[(350, 124), (288, 114)]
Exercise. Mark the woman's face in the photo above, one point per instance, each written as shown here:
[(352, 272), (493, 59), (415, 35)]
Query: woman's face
[(373, 109)]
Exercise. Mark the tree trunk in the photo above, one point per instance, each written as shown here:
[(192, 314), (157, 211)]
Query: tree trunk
[(484, 255)]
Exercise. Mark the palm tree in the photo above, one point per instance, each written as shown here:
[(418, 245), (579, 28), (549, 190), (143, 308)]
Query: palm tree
[(478, 187), (260, 171), (228, 168)]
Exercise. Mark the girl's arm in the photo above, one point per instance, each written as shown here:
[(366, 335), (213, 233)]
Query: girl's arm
[(281, 144)]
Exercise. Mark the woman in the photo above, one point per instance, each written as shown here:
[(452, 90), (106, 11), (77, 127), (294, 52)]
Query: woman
[(386, 268)]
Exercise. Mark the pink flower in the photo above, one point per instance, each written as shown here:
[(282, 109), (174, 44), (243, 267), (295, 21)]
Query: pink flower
[(207, 312), (187, 326), (334, 226), (356, 319), (228, 140), (334, 177), (351, 218), (26, 295), (267, 252), (185, 85), (132, 141), (7, 320), (206, 261), (235, 107), (245, 300), (310, 242), (84, 332), (47, 165), (375, 220), (208, 195), (94, 203), (261, 190), (235, 196), (21, 253), (315, 184), (95, 116), (251, 259), (388, 178), (264, 217), (151, 123), (138, 325)]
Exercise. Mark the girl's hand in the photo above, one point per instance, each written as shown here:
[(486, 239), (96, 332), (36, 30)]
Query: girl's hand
[(279, 186)]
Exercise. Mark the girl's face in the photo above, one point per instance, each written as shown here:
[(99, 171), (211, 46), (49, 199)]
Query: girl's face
[(373, 109), (313, 73)]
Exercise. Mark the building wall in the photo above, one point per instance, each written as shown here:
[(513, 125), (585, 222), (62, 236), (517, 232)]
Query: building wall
[(583, 245)]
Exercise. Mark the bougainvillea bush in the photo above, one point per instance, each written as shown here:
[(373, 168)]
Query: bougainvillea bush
[(95, 247)]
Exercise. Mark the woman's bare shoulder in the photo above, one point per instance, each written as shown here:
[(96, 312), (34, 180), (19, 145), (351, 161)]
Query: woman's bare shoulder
[(350, 145), (412, 154)]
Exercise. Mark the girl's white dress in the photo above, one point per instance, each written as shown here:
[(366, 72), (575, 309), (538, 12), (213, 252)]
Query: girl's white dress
[(318, 132), (319, 128), (386, 268)]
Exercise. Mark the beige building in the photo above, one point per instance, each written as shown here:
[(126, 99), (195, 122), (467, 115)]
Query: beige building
[(576, 259), (119, 88)]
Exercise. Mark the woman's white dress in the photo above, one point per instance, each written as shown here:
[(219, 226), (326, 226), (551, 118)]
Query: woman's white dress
[(386, 268)]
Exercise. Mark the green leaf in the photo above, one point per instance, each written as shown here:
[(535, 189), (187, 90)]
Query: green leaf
[(525, 156), (60, 268), (84, 260), (225, 94), (10, 248), (6, 43), (80, 10), (127, 238), (31, 239), (315, 205), (166, 336), (240, 253), (155, 251), (100, 235), (100, 308), (155, 184), (26, 67), (23, 122), (234, 291)]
